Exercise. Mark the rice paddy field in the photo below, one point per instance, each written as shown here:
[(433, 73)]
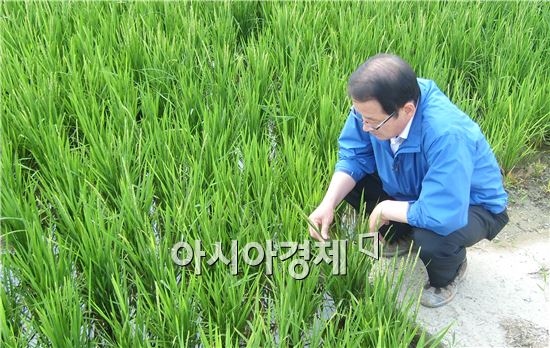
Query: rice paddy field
[(129, 127)]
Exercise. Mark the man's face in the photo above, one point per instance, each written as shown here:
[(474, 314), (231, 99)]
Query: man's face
[(373, 115)]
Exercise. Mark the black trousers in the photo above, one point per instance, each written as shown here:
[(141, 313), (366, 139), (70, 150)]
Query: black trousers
[(442, 255)]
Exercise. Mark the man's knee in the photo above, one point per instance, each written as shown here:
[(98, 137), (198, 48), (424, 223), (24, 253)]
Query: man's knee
[(433, 245)]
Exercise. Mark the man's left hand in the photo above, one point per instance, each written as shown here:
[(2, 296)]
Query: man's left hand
[(387, 211), (376, 218)]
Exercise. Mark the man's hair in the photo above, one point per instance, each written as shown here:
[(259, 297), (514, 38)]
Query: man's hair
[(387, 79)]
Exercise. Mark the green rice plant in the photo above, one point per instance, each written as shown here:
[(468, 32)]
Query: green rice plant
[(295, 302), (227, 302), (211, 336), (345, 287), (390, 322), (60, 319), (11, 328), (261, 329)]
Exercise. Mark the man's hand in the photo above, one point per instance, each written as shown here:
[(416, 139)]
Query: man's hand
[(376, 218), (321, 218), (386, 211)]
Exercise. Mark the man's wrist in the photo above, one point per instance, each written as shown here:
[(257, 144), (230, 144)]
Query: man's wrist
[(394, 211), (384, 209), (329, 203)]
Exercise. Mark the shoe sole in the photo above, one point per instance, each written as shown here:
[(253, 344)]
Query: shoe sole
[(461, 275), (439, 304)]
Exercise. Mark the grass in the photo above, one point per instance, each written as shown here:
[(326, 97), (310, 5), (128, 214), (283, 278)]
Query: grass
[(128, 127)]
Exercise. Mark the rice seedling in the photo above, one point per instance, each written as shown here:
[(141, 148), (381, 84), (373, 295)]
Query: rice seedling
[(129, 127)]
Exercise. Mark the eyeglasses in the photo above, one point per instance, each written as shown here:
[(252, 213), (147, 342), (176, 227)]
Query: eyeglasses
[(358, 116)]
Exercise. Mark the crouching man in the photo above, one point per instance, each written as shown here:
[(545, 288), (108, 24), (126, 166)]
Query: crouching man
[(423, 169)]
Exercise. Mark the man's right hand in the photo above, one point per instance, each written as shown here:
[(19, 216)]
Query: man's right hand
[(321, 218), (340, 185)]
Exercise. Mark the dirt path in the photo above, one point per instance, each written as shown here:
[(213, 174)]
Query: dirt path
[(504, 299)]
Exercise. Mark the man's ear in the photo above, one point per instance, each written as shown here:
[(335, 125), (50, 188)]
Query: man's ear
[(409, 108)]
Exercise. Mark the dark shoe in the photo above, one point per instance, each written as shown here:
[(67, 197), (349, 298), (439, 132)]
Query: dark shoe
[(436, 297), (401, 247)]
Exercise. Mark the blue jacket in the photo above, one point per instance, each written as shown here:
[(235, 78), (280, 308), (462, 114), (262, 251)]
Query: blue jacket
[(444, 166)]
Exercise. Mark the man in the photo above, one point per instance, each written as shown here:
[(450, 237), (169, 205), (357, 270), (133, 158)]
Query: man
[(423, 168)]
